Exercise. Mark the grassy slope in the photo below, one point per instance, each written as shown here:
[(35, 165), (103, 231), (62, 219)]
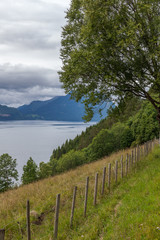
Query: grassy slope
[(131, 211)]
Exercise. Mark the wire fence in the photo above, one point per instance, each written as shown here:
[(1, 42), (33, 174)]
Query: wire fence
[(109, 177)]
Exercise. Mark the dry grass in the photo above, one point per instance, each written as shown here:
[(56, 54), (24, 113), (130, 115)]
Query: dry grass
[(13, 202), (42, 194)]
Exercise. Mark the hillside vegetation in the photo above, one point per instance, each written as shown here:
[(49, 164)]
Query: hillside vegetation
[(128, 107), (130, 211), (138, 115), (132, 122)]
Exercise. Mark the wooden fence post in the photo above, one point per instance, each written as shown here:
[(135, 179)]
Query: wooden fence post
[(154, 142), (135, 156), (141, 151), (56, 217), (145, 151), (122, 166), (73, 205), (137, 153), (95, 189), (2, 234), (146, 148), (132, 158), (127, 164), (28, 221), (103, 180), (109, 176), (151, 144), (86, 196), (116, 171)]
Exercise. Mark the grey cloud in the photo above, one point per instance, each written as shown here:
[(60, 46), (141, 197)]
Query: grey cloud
[(30, 35), (17, 98), (21, 84), (31, 10), (21, 77), (30, 24)]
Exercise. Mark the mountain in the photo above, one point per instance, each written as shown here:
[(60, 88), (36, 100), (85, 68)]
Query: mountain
[(10, 113), (60, 108)]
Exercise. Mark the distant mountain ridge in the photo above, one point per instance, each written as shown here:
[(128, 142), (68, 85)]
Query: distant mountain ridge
[(60, 108), (10, 113)]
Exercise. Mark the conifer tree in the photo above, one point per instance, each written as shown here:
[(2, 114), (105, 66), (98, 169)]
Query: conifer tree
[(30, 172), (8, 172)]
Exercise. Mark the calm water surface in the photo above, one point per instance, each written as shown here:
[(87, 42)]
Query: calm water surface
[(36, 139)]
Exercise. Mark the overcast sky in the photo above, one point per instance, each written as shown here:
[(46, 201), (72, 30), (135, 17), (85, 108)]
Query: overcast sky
[(30, 36)]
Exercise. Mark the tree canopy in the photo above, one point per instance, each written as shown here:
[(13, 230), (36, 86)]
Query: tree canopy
[(30, 172), (111, 48), (8, 172)]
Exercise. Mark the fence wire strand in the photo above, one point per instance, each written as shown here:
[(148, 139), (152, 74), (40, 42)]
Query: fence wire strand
[(133, 157)]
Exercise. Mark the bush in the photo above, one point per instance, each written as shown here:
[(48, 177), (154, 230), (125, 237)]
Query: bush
[(144, 124), (44, 170), (47, 169), (70, 160), (102, 145), (122, 135), (107, 141)]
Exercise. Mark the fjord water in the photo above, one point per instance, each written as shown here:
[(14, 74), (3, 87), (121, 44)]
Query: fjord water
[(36, 139)]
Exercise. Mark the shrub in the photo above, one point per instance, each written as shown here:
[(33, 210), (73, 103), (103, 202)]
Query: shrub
[(70, 160), (44, 170), (144, 124), (47, 169), (122, 135), (107, 141), (101, 145)]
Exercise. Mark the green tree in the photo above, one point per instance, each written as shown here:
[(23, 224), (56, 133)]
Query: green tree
[(143, 124), (70, 160), (111, 48), (8, 172), (47, 169), (108, 141), (30, 172)]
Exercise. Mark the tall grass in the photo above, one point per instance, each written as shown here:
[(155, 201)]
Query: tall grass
[(42, 196)]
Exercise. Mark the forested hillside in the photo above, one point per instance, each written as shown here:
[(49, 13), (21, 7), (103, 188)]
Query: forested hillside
[(130, 123), (121, 113), (134, 113), (10, 113)]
